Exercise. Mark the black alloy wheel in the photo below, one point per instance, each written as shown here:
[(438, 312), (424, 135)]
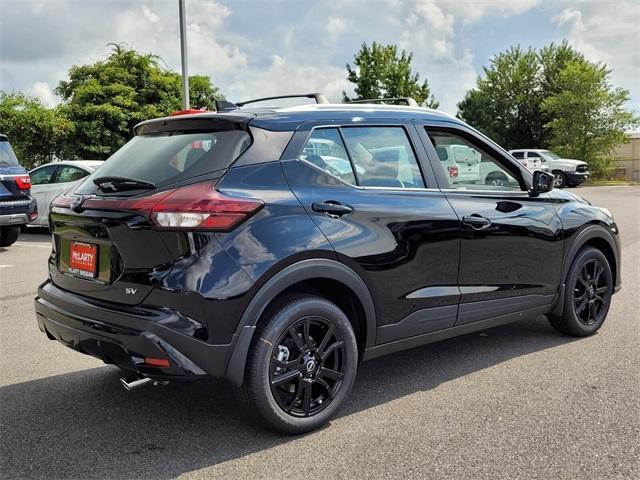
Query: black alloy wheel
[(307, 366), (588, 292), (301, 364), (590, 289)]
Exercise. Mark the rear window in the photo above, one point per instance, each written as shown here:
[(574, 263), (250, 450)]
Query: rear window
[(169, 157), (7, 157)]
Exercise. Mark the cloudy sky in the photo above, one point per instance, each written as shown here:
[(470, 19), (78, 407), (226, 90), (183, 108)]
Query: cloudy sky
[(257, 48)]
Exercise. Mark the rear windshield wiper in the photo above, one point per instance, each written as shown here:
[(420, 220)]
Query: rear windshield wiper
[(114, 184)]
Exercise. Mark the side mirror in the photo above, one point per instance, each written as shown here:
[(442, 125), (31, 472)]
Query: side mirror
[(542, 183)]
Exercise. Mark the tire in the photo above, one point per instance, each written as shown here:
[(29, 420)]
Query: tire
[(301, 365), (8, 235), (560, 179), (588, 292)]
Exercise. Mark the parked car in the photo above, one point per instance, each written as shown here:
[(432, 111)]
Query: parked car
[(215, 245), (533, 163), (17, 207), (567, 172), (52, 179), (461, 163)]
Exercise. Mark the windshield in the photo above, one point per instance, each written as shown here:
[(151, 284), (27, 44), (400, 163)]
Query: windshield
[(549, 155), (164, 158), (7, 157)]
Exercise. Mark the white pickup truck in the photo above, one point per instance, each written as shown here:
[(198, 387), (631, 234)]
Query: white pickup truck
[(567, 172)]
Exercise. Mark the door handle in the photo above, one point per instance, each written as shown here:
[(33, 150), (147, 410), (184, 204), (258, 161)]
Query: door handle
[(331, 208), (476, 221)]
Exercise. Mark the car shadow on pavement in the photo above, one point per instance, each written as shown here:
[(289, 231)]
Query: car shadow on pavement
[(85, 425)]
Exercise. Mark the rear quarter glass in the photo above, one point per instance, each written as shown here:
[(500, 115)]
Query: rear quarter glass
[(165, 158)]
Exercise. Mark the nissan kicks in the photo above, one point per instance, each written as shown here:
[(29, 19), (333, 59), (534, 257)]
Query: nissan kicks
[(277, 248)]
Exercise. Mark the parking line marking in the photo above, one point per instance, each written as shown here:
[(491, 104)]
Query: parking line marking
[(5, 266), (26, 244)]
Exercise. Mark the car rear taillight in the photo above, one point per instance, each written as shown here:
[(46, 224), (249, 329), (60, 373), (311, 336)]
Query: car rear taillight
[(23, 182), (193, 207), (525, 163), (453, 171), (200, 206)]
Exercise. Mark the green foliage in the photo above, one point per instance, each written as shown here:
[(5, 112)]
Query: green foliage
[(36, 133), (552, 98), (379, 72), (587, 115), (107, 99), (505, 105)]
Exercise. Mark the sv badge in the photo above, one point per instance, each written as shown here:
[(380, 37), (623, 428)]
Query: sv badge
[(130, 291)]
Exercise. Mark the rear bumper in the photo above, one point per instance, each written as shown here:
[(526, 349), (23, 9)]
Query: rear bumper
[(18, 212), (125, 336), (576, 178)]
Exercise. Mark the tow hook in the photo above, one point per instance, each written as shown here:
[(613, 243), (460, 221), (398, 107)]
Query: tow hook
[(136, 381)]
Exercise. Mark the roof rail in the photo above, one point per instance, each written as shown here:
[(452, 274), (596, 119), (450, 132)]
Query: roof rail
[(406, 100), (318, 97), (224, 106)]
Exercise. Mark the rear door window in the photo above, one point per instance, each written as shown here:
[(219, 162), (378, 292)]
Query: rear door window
[(70, 174), (365, 156), (169, 157), (325, 149), (383, 157)]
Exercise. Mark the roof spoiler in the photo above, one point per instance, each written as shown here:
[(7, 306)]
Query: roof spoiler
[(395, 100), (224, 106)]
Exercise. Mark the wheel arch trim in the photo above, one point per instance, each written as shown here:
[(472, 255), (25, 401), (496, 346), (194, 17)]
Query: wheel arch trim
[(292, 274), (581, 239)]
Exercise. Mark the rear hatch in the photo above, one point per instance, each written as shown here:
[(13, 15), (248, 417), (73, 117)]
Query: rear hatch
[(118, 233), (14, 180)]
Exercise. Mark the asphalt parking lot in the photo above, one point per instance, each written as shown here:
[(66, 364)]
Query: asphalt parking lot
[(518, 401)]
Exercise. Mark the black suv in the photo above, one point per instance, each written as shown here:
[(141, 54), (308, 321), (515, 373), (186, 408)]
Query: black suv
[(278, 247), (17, 207)]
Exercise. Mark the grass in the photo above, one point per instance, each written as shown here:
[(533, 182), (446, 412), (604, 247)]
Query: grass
[(600, 182)]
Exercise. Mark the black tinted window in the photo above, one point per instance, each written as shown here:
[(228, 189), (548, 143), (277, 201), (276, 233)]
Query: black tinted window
[(383, 157), (468, 167), (325, 149), (70, 174), (42, 176), (173, 156), (518, 154)]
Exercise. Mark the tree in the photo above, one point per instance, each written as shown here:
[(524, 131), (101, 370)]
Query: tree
[(505, 105), (552, 98), (379, 72), (36, 133), (107, 99), (587, 115)]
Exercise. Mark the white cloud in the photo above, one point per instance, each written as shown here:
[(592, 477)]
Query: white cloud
[(149, 15), (336, 25), (284, 76), (256, 49), (608, 35), (430, 27), (469, 11), (43, 92)]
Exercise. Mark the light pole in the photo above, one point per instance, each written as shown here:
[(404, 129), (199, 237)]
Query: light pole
[(183, 54)]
